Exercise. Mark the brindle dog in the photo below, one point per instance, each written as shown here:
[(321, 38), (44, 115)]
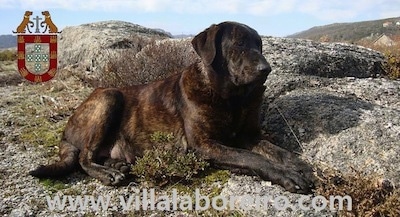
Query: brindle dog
[(212, 107)]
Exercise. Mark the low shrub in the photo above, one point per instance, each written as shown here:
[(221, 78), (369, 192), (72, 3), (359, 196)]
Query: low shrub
[(392, 65), (371, 195), (392, 58), (156, 60), (160, 165)]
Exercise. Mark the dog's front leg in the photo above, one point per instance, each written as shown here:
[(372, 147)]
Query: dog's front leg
[(251, 163), (290, 160)]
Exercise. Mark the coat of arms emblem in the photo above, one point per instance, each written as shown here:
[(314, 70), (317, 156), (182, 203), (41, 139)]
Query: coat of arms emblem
[(37, 51)]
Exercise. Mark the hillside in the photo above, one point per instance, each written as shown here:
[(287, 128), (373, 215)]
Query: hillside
[(7, 41), (351, 32)]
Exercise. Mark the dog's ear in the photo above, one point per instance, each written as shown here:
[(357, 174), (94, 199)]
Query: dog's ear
[(204, 44)]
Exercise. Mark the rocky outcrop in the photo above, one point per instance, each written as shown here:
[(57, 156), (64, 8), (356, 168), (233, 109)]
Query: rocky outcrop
[(330, 60), (328, 102), (325, 98), (89, 46)]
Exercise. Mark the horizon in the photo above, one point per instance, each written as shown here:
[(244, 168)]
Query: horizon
[(269, 18)]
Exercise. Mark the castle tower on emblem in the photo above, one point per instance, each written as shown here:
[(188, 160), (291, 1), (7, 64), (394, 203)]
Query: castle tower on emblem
[(37, 51)]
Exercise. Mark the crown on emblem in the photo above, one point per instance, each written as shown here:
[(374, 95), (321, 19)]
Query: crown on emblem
[(37, 39), (53, 39)]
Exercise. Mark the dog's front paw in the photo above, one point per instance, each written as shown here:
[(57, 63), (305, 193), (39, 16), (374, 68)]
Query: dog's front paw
[(298, 181), (293, 179), (299, 175)]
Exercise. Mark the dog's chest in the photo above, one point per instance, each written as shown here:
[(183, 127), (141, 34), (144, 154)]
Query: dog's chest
[(227, 124)]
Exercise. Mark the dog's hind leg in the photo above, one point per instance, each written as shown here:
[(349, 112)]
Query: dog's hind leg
[(122, 166), (103, 112), (107, 175)]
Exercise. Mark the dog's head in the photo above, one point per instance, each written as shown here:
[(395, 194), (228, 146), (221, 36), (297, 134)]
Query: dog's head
[(46, 13), (232, 52)]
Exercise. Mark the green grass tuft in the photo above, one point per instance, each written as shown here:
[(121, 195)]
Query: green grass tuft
[(53, 185)]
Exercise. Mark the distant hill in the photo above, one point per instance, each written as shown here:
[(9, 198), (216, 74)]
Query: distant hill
[(8, 41), (351, 32)]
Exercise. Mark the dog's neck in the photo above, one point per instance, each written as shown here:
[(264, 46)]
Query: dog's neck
[(196, 81)]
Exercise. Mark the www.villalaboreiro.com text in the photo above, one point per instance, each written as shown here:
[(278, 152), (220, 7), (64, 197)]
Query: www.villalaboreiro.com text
[(147, 200)]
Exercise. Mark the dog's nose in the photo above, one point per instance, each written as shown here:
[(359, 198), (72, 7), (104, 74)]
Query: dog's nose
[(264, 67)]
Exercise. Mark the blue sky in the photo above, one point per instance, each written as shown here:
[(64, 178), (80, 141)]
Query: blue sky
[(268, 17)]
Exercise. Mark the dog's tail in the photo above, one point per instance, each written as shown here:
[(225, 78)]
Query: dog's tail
[(69, 161)]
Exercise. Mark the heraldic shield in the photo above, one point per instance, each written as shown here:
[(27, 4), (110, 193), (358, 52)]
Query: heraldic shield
[(37, 53), (40, 63)]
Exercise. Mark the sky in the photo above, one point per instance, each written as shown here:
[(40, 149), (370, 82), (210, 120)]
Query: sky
[(269, 17)]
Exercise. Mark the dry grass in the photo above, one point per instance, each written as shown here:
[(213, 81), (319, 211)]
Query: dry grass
[(393, 63), (392, 56), (156, 60), (371, 195), (8, 55), (9, 75)]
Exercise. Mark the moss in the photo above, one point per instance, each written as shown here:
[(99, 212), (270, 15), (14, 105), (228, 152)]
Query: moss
[(210, 184), (53, 185), (39, 131), (206, 181), (214, 175)]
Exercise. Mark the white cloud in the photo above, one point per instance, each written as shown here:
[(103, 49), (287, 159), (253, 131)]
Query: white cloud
[(345, 10), (229, 6), (329, 11), (325, 10)]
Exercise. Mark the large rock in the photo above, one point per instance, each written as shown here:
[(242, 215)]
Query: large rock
[(324, 98), (328, 102), (307, 57), (89, 46)]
